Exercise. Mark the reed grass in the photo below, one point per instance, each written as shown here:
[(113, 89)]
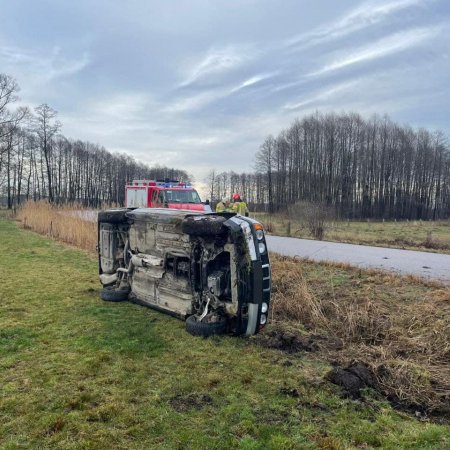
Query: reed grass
[(66, 223)]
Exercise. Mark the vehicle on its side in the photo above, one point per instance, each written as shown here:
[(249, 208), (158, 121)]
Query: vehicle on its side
[(212, 270), (163, 194)]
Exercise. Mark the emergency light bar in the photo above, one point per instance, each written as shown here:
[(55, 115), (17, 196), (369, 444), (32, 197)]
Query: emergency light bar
[(160, 183)]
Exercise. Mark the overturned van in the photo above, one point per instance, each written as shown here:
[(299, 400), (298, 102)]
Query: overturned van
[(211, 270)]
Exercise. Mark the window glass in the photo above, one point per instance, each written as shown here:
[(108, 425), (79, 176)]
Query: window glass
[(181, 196)]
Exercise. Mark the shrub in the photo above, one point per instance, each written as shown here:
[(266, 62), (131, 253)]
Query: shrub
[(313, 216)]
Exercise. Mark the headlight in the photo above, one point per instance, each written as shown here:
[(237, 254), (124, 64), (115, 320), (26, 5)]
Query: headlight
[(264, 307), (261, 247), (259, 234), (263, 319)]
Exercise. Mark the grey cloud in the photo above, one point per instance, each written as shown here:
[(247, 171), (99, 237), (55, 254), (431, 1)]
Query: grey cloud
[(199, 84)]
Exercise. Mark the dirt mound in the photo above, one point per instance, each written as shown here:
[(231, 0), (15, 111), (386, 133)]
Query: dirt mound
[(352, 379), (183, 403), (287, 341)]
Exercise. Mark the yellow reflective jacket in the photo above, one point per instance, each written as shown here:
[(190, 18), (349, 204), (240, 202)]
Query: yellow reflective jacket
[(220, 207), (240, 208)]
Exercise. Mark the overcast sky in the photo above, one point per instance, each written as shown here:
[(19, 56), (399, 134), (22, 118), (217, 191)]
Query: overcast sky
[(198, 84)]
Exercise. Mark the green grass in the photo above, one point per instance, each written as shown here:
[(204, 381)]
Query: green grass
[(79, 373), (416, 234)]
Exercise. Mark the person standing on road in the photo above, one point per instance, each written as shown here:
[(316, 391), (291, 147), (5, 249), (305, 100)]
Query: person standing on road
[(239, 206)]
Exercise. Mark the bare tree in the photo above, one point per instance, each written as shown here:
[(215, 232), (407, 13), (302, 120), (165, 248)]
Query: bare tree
[(211, 180), (264, 164), (46, 127), (8, 94)]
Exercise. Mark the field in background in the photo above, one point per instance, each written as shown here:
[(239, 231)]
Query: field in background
[(80, 373), (417, 234)]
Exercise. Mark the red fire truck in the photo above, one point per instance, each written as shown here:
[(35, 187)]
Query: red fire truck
[(163, 194)]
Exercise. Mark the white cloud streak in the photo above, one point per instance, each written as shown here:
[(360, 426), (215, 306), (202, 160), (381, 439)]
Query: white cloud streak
[(183, 104), (253, 80), (389, 45), (216, 61), (365, 15)]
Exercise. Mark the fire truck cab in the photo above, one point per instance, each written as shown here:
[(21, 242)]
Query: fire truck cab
[(163, 194)]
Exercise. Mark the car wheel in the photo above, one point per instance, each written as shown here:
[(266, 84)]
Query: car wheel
[(205, 329), (109, 294), (204, 225)]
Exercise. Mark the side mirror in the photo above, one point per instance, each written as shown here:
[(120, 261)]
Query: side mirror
[(207, 201)]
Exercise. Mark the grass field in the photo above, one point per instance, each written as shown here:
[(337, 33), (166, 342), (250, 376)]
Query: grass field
[(417, 234), (78, 373)]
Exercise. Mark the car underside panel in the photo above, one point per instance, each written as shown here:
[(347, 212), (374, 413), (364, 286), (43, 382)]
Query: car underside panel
[(164, 290), (158, 238), (107, 245), (111, 243), (187, 264)]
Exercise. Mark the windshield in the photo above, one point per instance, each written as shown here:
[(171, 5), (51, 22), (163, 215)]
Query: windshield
[(181, 196)]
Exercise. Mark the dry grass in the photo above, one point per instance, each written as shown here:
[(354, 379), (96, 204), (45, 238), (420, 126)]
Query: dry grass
[(64, 223), (293, 298), (398, 327)]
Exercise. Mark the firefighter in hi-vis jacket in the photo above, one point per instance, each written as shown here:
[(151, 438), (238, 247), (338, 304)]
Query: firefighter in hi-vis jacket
[(239, 206)]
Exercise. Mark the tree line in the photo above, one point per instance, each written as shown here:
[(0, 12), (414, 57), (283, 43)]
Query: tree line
[(38, 162), (363, 168)]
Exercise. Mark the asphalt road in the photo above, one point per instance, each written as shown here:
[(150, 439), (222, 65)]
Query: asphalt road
[(427, 265)]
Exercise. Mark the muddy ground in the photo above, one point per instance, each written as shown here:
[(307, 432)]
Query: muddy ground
[(354, 379)]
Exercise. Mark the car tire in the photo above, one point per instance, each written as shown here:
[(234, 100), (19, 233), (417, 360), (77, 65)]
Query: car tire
[(205, 329), (109, 294), (113, 215), (204, 225)]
